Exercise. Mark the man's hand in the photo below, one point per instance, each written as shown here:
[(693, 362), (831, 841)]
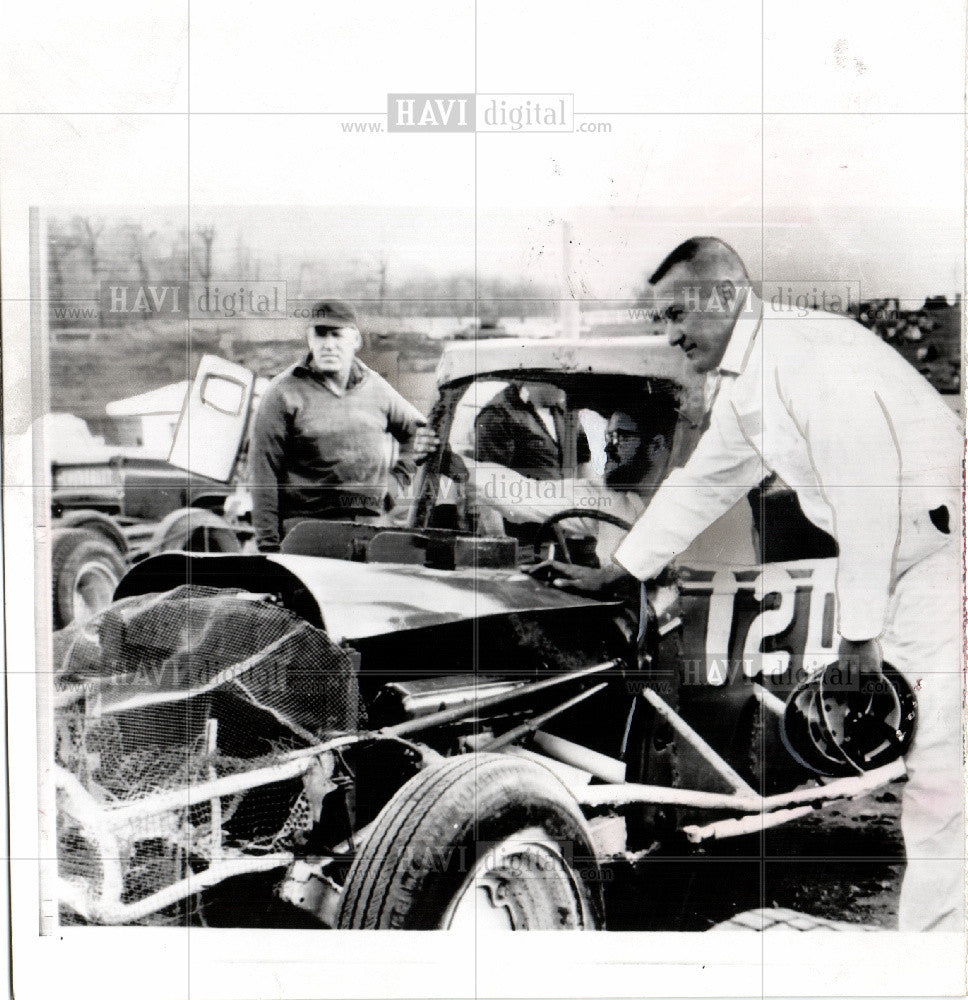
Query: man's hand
[(425, 443), (578, 579), (864, 655)]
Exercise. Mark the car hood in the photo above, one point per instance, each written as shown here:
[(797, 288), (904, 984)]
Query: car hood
[(356, 600)]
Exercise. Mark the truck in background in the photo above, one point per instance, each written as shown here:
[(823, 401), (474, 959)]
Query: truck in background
[(110, 512)]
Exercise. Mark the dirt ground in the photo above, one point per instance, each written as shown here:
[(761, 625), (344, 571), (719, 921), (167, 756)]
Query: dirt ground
[(842, 863)]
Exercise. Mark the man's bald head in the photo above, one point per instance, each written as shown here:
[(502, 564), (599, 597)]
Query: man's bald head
[(703, 257), (700, 289)]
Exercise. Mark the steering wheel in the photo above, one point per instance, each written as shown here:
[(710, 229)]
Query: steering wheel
[(553, 523)]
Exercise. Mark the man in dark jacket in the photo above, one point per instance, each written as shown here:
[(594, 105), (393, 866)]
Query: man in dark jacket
[(523, 428), (321, 444)]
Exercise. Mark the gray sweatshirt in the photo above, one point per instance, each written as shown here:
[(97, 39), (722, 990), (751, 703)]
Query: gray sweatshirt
[(314, 452)]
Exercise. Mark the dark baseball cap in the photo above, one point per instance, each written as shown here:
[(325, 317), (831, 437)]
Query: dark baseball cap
[(332, 313)]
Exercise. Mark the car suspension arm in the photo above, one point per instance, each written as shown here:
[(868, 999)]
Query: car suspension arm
[(460, 712), (539, 720), (742, 799)]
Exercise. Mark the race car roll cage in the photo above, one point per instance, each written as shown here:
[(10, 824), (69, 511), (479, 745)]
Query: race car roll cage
[(441, 420)]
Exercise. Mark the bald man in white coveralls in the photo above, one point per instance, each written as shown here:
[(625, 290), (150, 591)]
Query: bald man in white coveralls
[(875, 457)]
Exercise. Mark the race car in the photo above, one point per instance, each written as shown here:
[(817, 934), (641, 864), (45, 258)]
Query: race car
[(396, 726)]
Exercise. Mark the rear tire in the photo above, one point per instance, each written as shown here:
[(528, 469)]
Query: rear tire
[(85, 570), (480, 840)]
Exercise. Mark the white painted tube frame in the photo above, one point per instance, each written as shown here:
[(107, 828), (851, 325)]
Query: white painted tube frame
[(101, 823), (842, 788), (113, 911)]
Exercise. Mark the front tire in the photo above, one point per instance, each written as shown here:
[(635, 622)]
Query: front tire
[(483, 840)]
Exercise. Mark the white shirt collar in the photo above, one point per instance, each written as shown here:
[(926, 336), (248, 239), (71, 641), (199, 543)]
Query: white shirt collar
[(741, 340)]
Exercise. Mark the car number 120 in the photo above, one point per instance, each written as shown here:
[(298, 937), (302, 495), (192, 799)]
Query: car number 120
[(792, 605)]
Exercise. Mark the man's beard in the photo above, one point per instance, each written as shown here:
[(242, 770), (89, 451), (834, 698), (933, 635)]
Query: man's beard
[(627, 474)]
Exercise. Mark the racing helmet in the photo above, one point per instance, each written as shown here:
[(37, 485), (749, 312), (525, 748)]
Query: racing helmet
[(837, 723)]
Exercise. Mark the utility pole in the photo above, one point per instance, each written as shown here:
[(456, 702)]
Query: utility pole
[(569, 307), (383, 284)]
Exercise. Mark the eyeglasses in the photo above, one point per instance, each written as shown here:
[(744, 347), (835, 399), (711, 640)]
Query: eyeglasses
[(618, 436)]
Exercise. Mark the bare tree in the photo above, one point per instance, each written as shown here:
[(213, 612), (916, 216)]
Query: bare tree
[(59, 245), (87, 237), (173, 262), (144, 247), (140, 248)]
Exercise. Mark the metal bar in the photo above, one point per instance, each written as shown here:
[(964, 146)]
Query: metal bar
[(462, 711), (215, 803), (190, 795), (117, 683), (842, 788), (291, 765), (724, 828), (299, 761), (539, 720), (195, 883), (626, 794), (83, 807), (232, 784), (608, 769), (690, 735), (769, 700)]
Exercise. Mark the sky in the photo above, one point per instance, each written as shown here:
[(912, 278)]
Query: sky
[(874, 200), (830, 149)]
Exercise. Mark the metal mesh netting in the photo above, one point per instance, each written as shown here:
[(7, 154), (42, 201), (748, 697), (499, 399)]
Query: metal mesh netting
[(162, 697)]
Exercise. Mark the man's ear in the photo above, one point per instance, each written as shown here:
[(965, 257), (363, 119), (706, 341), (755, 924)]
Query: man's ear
[(727, 292), (358, 343), (657, 447)]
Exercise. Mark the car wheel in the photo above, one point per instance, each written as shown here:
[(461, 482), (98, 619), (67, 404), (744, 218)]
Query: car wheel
[(85, 570), (483, 841)]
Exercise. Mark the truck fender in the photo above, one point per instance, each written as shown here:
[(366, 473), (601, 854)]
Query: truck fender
[(193, 529), (100, 524)]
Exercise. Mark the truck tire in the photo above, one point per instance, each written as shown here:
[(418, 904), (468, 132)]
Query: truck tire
[(482, 840), (85, 570)]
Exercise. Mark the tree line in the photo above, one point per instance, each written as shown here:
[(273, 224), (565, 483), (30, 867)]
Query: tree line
[(86, 252)]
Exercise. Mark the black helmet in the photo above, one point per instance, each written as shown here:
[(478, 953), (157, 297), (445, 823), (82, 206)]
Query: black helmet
[(838, 724)]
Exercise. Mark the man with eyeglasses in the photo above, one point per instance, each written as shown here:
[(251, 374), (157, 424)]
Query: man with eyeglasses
[(637, 451), (321, 444)]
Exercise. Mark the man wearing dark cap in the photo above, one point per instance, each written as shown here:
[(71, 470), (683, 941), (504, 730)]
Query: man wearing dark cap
[(321, 442)]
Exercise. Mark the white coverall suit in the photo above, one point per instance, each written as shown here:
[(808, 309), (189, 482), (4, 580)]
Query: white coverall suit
[(875, 457)]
